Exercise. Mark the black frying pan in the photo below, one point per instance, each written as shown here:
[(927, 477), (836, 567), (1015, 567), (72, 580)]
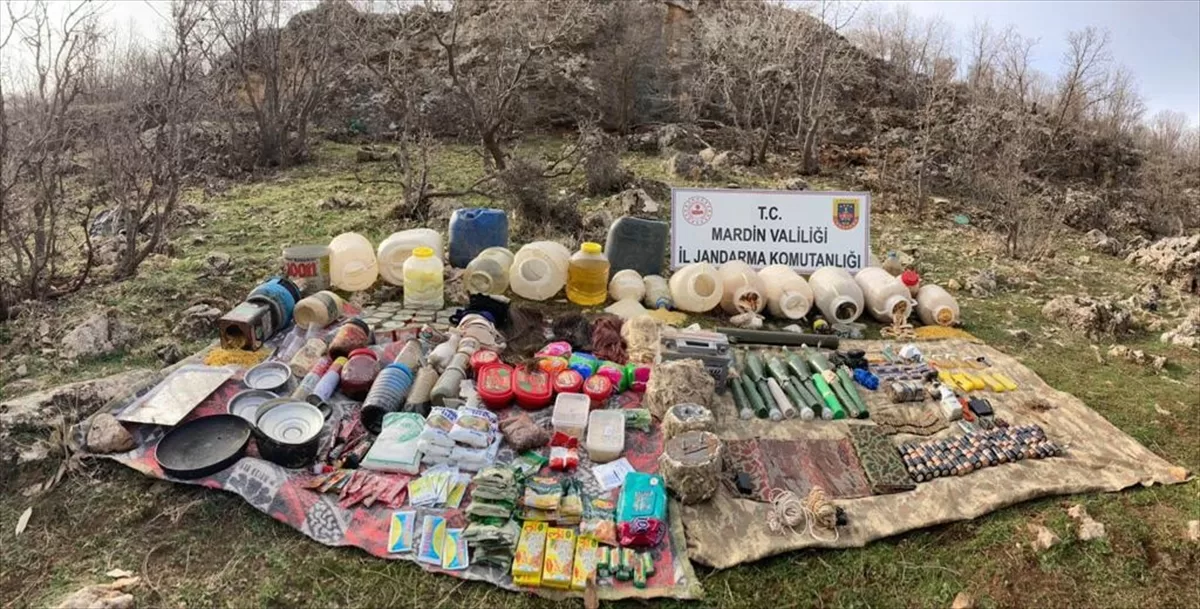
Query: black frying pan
[(203, 446)]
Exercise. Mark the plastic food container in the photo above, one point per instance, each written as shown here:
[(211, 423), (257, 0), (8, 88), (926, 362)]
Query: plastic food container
[(886, 297), (568, 381), (742, 289), (398, 247), (788, 294), (495, 385), (605, 435), (571, 414), (696, 288), (488, 272), (352, 263), (836, 294), (483, 358), (598, 389), (539, 270), (424, 284), (532, 389)]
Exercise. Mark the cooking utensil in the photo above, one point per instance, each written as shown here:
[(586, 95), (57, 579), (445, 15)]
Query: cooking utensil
[(202, 447), (245, 404), (288, 431)]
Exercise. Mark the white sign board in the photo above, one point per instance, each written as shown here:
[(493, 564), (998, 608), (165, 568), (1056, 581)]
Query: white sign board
[(805, 230)]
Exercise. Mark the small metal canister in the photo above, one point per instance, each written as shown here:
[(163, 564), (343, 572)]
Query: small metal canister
[(308, 267)]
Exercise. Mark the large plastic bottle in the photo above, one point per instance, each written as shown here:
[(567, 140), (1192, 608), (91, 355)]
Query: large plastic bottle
[(886, 297), (488, 272), (696, 288), (836, 294), (352, 265), (587, 276), (423, 281), (539, 270), (473, 230), (936, 306), (788, 294), (742, 290), (394, 250), (638, 244), (626, 284)]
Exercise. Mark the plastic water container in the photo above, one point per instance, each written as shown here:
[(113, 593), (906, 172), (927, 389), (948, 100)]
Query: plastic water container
[(788, 294), (352, 264), (488, 272), (638, 244), (741, 288), (539, 270), (394, 250), (696, 288), (626, 284), (886, 297), (587, 276), (658, 295), (836, 294), (935, 306), (423, 281), (473, 230), (605, 435), (571, 414)]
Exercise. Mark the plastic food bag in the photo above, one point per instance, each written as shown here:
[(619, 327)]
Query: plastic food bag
[(555, 349), (597, 521), (438, 425), (529, 463), (523, 434), (642, 511), (474, 427), (570, 507), (563, 458), (542, 493)]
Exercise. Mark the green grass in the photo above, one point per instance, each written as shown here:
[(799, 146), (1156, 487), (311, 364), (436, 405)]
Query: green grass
[(196, 547)]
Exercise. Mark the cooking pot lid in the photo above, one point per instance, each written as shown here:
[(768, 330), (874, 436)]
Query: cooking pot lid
[(268, 375), (202, 446), (245, 404)]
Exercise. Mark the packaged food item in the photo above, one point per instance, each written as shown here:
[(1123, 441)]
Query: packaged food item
[(433, 540), (532, 389), (483, 358), (638, 375), (552, 365), (624, 564), (571, 414), (359, 373), (454, 551), (401, 532), (563, 458), (637, 418), (585, 562), (570, 507), (598, 388), (530, 554), (396, 449), (522, 434), (555, 349), (648, 561), (529, 463), (438, 425), (495, 386), (542, 493), (560, 556), (474, 427), (583, 363), (642, 511), (597, 521), (615, 373), (568, 381), (639, 572), (605, 435), (603, 564)]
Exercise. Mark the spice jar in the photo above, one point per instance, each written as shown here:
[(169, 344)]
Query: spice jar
[(354, 334), (359, 373)]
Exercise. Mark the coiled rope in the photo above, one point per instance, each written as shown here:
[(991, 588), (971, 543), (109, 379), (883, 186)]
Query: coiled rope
[(815, 511)]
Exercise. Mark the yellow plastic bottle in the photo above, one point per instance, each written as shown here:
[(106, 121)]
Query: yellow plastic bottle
[(587, 276), (423, 281)]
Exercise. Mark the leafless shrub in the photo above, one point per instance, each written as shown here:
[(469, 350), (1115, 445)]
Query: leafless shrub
[(602, 163)]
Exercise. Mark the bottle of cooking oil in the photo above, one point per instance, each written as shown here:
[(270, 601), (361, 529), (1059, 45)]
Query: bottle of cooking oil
[(423, 282), (587, 276)]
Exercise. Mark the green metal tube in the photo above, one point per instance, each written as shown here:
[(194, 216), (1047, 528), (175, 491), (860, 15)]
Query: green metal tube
[(765, 391), (798, 366), (842, 396), (796, 395), (852, 391), (777, 369), (807, 394), (820, 409), (816, 359), (827, 394), (740, 399), (756, 401), (753, 367)]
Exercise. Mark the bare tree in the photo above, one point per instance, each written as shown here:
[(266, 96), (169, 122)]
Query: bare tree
[(1016, 73), (281, 73), (1122, 108), (40, 132), (511, 43), (1082, 81), (826, 58), (629, 65)]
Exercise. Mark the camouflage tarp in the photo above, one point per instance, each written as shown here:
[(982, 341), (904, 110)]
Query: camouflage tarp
[(1100, 458)]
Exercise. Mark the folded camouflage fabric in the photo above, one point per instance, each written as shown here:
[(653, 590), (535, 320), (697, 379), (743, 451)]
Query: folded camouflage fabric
[(915, 419), (885, 471)]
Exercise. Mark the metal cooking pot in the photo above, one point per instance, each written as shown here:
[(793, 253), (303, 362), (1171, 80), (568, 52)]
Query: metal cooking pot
[(288, 431)]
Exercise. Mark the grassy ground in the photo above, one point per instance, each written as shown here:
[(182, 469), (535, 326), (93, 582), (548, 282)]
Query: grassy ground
[(198, 548)]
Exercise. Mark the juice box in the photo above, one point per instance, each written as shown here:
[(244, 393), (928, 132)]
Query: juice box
[(560, 553), (531, 550), (585, 562)]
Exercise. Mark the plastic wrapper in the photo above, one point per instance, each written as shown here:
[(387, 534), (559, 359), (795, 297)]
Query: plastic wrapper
[(555, 349), (530, 554), (542, 493), (552, 365), (438, 425), (433, 540), (563, 458), (583, 363), (585, 562), (529, 463), (474, 427), (637, 418), (570, 507), (397, 447), (597, 521), (642, 511), (522, 434), (560, 556)]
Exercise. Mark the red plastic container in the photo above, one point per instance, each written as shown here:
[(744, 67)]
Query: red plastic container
[(532, 388), (598, 388), (495, 386), (482, 359), (568, 381)]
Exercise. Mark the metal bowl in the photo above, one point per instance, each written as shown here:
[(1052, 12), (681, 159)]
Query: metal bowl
[(245, 404), (288, 421), (269, 376)]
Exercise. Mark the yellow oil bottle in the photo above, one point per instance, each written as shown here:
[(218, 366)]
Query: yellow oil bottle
[(587, 276)]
